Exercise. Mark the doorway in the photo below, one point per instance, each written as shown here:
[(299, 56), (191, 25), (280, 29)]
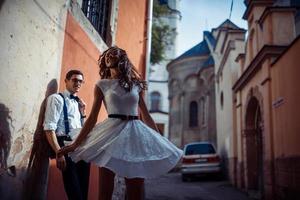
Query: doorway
[(254, 149)]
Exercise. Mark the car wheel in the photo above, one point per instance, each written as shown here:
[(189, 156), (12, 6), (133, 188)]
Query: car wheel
[(184, 178), (218, 176)]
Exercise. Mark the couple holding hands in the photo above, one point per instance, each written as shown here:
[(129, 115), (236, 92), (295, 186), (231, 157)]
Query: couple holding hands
[(122, 144)]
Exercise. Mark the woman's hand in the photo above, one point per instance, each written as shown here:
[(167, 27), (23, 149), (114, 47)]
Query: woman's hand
[(61, 162), (82, 107), (66, 149)]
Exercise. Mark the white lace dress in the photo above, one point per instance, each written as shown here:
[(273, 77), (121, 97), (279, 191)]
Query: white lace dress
[(127, 147)]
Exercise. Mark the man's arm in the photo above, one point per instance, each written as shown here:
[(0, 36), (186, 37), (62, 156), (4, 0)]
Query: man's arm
[(52, 114), (52, 140), (60, 160)]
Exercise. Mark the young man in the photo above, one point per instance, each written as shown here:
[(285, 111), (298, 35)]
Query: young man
[(75, 175)]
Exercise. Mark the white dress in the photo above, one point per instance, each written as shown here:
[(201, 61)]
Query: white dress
[(127, 147)]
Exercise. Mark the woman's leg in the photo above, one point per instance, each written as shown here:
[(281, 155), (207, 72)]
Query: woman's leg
[(135, 189), (106, 183)]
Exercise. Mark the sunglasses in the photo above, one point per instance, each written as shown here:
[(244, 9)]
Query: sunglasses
[(75, 80)]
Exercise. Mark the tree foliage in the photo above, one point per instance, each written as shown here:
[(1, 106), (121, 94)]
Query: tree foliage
[(162, 33)]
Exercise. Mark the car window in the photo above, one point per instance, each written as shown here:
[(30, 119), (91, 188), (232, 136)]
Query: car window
[(199, 149)]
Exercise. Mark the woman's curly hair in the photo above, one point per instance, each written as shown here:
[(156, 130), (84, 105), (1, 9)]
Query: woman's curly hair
[(127, 73)]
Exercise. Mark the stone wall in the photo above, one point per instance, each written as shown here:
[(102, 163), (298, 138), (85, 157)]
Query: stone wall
[(31, 38)]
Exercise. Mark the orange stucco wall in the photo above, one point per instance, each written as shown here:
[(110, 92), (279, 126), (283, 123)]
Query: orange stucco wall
[(273, 85), (285, 73), (79, 53), (131, 31)]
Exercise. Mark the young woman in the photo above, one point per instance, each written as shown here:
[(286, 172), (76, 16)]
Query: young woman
[(122, 144)]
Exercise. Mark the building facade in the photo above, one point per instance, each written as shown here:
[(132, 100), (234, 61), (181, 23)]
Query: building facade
[(192, 95), (266, 102), (230, 42), (42, 41), (157, 96)]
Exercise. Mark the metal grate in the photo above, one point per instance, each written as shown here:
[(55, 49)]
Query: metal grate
[(98, 13)]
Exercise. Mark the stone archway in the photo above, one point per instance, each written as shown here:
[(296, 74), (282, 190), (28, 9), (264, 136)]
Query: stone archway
[(254, 147)]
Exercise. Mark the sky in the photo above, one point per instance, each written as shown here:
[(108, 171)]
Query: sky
[(202, 15)]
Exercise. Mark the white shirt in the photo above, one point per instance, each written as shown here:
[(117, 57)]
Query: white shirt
[(54, 114)]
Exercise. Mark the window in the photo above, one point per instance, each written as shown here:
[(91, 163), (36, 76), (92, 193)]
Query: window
[(155, 98), (199, 149), (98, 12), (193, 122), (221, 100), (203, 109), (295, 3)]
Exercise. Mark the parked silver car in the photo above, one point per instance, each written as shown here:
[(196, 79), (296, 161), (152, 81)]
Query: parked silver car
[(200, 158)]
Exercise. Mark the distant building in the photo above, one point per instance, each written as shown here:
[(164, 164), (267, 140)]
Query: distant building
[(158, 102), (230, 42), (192, 94)]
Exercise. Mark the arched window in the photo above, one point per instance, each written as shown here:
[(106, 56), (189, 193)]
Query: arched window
[(203, 110), (222, 99), (155, 101), (193, 121)]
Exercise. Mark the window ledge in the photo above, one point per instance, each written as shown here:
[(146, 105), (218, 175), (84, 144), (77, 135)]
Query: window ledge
[(75, 9)]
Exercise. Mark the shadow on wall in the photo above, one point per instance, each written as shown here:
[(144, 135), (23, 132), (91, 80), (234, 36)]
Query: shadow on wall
[(1, 3), (36, 181), (224, 163), (6, 173), (5, 136)]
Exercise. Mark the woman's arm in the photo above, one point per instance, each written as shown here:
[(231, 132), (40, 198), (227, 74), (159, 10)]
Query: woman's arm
[(145, 113), (88, 125), (92, 119)]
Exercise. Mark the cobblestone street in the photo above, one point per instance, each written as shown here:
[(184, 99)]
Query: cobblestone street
[(171, 187)]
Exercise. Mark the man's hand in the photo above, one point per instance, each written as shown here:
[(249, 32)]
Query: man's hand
[(61, 162), (82, 107)]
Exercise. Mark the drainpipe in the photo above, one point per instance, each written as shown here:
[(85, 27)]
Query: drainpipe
[(148, 45)]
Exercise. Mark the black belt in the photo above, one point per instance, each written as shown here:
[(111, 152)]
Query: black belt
[(123, 117)]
